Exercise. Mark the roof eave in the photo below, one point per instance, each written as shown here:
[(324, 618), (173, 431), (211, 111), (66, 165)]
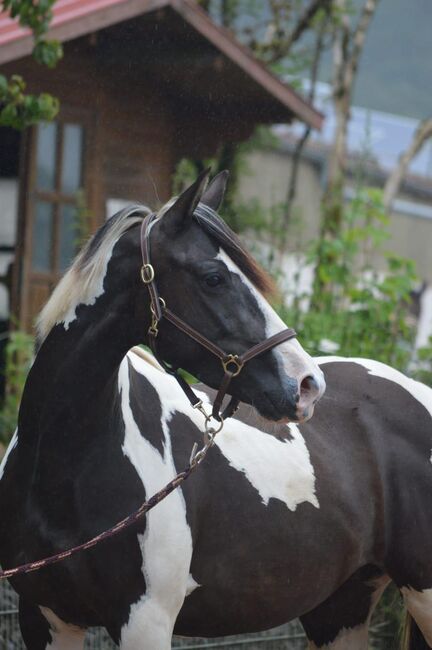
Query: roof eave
[(220, 37)]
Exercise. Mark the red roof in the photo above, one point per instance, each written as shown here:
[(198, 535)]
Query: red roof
[(64, 11), (74, 18)]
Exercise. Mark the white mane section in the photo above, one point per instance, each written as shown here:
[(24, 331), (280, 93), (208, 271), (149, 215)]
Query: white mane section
[(83, 282)]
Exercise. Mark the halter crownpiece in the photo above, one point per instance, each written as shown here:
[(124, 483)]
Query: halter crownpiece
[(232, 363)]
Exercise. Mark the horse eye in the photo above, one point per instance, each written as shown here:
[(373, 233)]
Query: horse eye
[(213, 280)]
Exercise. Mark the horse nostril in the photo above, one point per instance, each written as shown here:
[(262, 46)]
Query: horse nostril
[(309, 391), (309, 384)]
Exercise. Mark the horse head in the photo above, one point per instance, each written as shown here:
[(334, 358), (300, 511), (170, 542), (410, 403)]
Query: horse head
[(208, 280)]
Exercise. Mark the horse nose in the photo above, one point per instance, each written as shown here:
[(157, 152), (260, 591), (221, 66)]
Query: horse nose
[(311, 388)]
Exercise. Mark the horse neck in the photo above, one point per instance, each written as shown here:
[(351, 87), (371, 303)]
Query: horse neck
[(75, 373)]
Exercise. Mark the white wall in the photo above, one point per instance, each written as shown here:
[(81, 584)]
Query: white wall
[(410, 225)]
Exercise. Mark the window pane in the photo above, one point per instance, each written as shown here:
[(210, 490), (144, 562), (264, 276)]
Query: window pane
[(72, 157), (68, 235), (46, 156), (42, 237)]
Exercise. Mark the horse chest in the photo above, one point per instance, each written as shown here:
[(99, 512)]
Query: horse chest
[(166, 544)]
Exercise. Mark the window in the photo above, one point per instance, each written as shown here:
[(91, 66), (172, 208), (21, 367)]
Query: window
[(58, 180)]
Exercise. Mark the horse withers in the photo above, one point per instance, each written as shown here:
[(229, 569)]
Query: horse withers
[(86, 454)]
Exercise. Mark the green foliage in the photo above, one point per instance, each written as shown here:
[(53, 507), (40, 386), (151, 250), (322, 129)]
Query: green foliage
[(387, 621), (358, 310), (186, 172), (48, 53), (19, 354), (18, 109), (423, 367), (35, 15)]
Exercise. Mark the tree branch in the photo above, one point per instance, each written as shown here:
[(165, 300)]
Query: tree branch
[(305, 20), (341, 37), (358, 39), (280, 46), (296, 158), (420, 137)]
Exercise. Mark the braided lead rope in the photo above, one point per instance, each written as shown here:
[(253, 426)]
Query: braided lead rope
[(196, 459)]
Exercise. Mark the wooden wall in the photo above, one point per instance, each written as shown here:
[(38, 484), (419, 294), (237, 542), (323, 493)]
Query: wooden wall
[(130, 147)]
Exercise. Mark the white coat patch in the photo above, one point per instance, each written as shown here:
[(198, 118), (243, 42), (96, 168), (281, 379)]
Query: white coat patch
[(166, 545), (292, 358), (278, 469), (191, 585), (64, 636), (419, 605), (13, 443), (355, 638)]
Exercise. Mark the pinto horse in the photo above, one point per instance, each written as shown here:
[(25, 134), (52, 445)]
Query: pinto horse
[(307, 519), (94, 437)]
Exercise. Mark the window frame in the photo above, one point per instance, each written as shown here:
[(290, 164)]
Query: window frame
[(25, 278)]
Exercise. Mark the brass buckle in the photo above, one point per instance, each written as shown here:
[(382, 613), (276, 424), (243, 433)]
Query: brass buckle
[(147, 273), (235, 360)]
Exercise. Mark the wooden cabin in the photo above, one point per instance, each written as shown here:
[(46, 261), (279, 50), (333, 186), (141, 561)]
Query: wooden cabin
[(143, 83)]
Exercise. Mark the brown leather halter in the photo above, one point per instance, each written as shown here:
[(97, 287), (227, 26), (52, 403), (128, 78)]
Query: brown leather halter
[(232, 363)]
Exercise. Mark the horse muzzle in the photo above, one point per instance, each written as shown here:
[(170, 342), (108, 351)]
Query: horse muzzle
[(292, 401), (311, 388)]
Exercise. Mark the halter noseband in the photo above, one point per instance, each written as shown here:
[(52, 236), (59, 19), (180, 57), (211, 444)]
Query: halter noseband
[(232, 363)]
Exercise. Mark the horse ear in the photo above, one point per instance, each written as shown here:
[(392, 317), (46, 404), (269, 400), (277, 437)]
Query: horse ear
[(214, 194), (180, 212)]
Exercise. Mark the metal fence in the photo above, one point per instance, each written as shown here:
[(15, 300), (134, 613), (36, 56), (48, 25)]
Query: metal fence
[(288, 637)]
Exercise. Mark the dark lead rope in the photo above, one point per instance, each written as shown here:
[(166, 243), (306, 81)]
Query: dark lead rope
[(110, 532)]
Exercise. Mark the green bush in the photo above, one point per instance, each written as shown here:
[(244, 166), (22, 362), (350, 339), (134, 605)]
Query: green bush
[(354, 309), (19, 355)]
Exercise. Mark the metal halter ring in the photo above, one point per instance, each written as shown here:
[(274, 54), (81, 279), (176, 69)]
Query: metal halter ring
[(232, 359), (163, 304), (211, 430), (147, 273)]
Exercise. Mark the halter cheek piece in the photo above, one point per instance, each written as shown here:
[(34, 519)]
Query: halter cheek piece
[(232, 363)]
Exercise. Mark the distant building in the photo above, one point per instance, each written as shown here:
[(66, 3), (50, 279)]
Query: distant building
[(375, 141)]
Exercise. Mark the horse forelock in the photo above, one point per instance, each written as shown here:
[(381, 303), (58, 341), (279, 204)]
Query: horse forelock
[(83, 281)]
